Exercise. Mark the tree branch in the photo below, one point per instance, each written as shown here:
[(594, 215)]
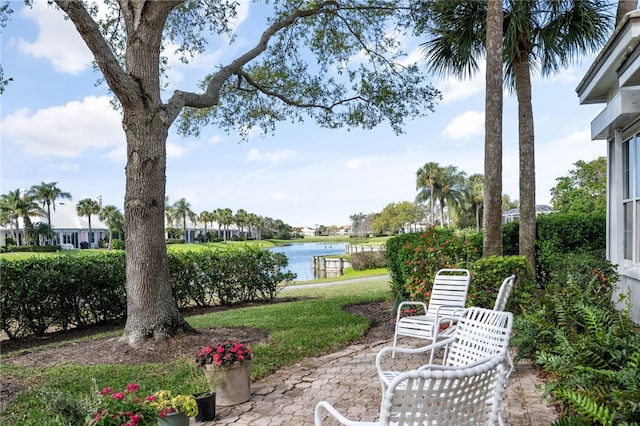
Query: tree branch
[(211, 96)]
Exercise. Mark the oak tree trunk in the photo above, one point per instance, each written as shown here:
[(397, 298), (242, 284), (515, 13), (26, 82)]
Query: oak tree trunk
[(151, 308)]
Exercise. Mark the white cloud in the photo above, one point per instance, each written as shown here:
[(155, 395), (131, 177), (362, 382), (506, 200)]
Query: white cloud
[(271, 157), (64, 166), (58, 40), (67, 130), (454, 89), (175, 150), (215, 139), (465, 126), (557, 157), (358, 163)]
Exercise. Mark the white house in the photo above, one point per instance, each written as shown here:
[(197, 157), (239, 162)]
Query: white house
[(513, 215), (68, 226), (614, 80)]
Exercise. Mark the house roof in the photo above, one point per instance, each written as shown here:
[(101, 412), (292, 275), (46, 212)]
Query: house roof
[(540, 208)]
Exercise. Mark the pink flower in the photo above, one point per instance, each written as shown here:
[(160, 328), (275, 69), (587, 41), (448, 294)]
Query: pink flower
[(132, 387), (118, 395), (106, 391)]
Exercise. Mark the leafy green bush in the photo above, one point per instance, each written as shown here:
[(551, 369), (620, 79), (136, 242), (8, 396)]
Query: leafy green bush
[(117, 244), (368, 260), (487, 276)]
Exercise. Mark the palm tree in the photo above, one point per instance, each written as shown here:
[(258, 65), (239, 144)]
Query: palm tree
[(8, 206), (256, 222), (426, 178), (225, 218), (206, 217), (547, 34), (475, 193), (87, 207), (47, 194), (451, 190), (182, 209), (492, 214), (16, 205), (241, 218), (114, 219)]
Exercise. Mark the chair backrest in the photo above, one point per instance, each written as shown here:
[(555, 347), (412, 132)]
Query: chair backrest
[(449, 292), (459, 396), (503, 294), (480, 333)]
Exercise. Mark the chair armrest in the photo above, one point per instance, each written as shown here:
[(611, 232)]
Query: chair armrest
[(457, 313), (422, 349), (339, 417), (399, 312)]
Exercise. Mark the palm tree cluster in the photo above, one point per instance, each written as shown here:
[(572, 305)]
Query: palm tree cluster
[(250, 225), (450, 190)]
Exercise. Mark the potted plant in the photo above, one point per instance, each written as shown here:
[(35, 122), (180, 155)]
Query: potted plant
[(123, 407), (227, 366), (174, 410), (205, 397)]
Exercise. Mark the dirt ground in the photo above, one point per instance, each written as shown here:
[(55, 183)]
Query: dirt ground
[(108, 351)]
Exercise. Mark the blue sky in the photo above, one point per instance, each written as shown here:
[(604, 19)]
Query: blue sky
[(57, 125)]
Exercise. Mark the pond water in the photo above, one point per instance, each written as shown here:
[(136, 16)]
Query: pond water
[(300, 256)]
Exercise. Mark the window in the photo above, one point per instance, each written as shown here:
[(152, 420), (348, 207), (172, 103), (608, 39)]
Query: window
[(631, 198)]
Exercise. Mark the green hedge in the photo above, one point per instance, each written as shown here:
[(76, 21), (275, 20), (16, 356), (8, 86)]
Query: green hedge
[(364, 260), (33, 249), (59, 292), (488, 274)]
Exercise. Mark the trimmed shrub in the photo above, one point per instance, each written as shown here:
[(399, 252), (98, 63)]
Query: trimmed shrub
[(33, 249), (368, 260), (487, 276), (59, 292)]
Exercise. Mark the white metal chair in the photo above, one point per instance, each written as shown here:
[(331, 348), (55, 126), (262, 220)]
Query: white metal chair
[(439, 395), (503, 294), (479, 333), (448, 299), (500, 305)]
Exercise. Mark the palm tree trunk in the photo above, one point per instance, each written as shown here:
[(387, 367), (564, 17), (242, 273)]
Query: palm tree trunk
[(492, 219), (527, 232)]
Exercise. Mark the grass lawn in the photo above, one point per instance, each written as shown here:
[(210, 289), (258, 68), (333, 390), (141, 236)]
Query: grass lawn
[(313, 324)]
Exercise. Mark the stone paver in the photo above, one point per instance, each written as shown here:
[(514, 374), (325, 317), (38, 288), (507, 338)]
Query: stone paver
[(348, 380)]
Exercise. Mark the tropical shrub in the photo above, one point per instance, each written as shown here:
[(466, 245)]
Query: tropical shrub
[(421, 255), (579, 279), (595, 367), (487, 276)]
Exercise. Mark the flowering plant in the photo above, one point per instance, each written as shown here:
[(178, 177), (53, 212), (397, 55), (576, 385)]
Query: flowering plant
[(123, 408), (224, 354), (166, 403)]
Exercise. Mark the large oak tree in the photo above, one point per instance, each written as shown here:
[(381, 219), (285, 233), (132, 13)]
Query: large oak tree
[(335, 62)]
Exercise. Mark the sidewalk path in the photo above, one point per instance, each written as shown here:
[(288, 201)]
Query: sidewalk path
[(348, 380)]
